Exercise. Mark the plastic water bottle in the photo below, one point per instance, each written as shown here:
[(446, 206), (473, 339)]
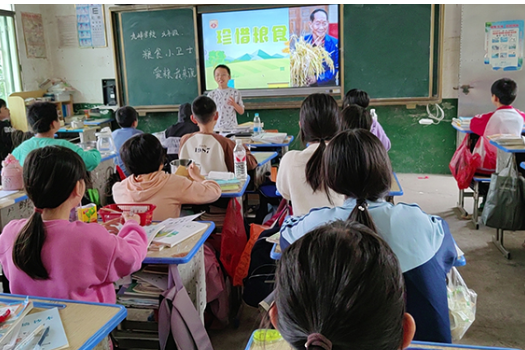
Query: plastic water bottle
[(257, 124), (239, 158)]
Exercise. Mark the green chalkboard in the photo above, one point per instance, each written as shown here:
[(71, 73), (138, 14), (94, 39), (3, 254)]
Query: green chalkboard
[(387, 50), (157, 57)]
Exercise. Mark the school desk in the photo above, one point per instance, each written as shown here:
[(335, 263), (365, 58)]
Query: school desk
[(18, 206), (282, 345), (264, 157), (86, 323), (284, 146), (189, 252), (100, 122), (86, 133), (239, 192)]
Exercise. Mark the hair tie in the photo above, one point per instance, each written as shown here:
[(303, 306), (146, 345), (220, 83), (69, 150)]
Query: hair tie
[(317, 339), (38, 210)]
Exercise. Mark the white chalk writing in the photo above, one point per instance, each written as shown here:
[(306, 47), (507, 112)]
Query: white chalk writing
[(177, 74)]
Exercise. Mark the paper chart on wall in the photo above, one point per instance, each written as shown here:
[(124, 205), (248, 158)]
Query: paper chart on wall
[(33, 29), (90, 25), (504, 44), (67, 35)]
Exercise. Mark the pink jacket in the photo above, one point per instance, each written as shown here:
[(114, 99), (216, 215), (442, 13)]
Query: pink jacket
[(83, 260), (166, 191)]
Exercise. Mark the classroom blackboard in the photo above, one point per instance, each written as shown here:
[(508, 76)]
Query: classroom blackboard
[(390, 51), (157, 57), (387, 50)]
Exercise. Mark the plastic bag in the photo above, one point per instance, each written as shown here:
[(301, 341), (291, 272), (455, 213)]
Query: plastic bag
[(461, 304), (233, 238), (487, 155), (463, 164), (505, 202)]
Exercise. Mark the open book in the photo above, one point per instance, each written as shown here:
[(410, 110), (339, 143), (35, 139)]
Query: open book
[(10, 328), (174, 233), (56, 337)]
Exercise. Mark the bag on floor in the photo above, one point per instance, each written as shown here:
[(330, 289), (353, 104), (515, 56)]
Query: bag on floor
[(261, 274), (505, 202), (180, 326), (217, 291), (461, 304), (463, 164), (233, 238)]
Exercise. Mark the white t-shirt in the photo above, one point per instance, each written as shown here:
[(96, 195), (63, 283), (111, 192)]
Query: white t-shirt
[(292, 185), (227, 114)]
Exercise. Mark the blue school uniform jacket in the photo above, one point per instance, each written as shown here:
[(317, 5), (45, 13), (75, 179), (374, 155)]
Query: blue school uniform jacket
[(423, 245)]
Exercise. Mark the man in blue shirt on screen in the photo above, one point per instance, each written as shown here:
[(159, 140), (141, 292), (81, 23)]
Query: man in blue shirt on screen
[(319, 37)]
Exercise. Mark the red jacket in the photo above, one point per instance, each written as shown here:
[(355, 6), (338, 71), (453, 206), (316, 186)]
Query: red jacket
[(479, 123)]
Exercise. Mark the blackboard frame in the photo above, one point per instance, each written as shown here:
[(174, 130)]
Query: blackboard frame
[(119, 55), (273, 102)]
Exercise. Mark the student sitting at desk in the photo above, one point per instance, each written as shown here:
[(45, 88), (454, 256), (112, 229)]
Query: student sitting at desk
[(356, 165), (504, 120), (340, 287), (211, 151), (357, 117), (143, 156), (361, 98), (175, 132), (299, 178), (43, 118), (48, 256), (6, 129), (127, 119)]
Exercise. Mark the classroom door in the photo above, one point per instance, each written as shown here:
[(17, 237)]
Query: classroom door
[(473, 71)]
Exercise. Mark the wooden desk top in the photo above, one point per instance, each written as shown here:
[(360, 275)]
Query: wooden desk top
[(182, 252), (264, 157), (86, 324), (13, 199)]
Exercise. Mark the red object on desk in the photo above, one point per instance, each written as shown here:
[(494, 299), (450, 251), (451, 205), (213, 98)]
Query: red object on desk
[(5, 315)]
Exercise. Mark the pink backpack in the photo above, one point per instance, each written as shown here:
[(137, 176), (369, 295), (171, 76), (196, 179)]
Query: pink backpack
[(180, 326)]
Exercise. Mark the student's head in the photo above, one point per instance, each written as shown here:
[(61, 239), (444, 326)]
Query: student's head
[(185, 112), (339, 287), (54, 176), (319, 122), (355, 117), (204, 111), (43, 117), (127, 117), (222, 75), (356, 97), (142, 154), (504, 91), (4, 111), (356, 165), (319, 23)]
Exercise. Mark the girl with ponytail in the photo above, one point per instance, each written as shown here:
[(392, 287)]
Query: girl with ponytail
[(300, 179), (340, 287), (356, 165), (48, 256)]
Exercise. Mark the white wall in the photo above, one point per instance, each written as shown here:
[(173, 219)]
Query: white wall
[(84, 69)]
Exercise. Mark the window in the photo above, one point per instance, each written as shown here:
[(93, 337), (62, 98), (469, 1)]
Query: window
[(9, 66)]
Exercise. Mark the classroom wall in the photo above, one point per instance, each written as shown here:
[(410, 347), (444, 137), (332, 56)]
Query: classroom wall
[(415, 148)]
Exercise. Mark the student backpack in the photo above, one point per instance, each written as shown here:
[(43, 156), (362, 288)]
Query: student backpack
[(180, 326)]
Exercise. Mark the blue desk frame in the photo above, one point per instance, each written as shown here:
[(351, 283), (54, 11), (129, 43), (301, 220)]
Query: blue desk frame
[(396, 193), (189, 256), (96, 338), (274, 155), (422, 345), (284, 146), (237, 194), (508, 150)]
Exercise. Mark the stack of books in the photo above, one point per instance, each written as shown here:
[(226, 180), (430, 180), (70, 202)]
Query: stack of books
[(216, 215), (148, 284), (507, 140), (462, 122), (227, 181)]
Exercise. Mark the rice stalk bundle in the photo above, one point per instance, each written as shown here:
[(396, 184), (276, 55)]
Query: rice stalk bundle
[(306, 60)]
